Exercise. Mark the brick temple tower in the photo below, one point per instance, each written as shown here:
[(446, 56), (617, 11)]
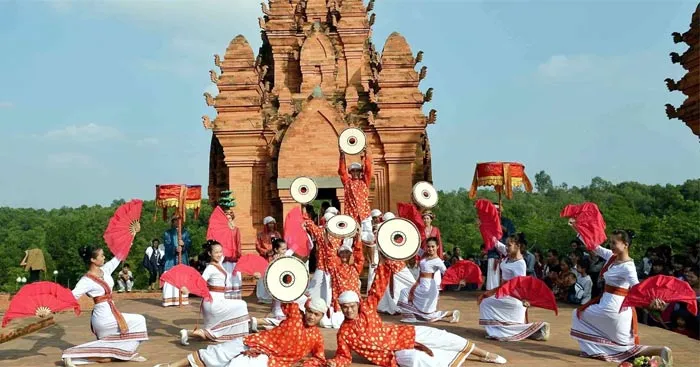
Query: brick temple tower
[(279, 114), (689, 111)]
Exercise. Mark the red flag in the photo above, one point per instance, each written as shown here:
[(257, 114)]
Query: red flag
[(294, 233), (489, 222), (220, 232), (589, 223)]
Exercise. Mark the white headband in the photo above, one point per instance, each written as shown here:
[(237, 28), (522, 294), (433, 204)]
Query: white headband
[(375, 213), (355, 166)]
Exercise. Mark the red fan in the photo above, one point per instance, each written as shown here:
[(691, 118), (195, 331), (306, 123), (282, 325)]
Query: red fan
[(665, 288), (529, 289), (294, 233), (588, 223), (251, 264), (462, 271), (410, 212), (220, 231), (122, 228), (489, 222), (40, 299), (185, 276)]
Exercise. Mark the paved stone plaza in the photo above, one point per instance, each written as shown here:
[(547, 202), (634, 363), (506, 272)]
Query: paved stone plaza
[(43, 348)]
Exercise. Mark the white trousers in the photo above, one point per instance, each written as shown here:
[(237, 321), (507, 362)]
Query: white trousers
[(125, 284), (449, 350)]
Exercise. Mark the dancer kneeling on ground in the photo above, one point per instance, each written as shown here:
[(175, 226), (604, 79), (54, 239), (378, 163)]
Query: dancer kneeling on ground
[(389, 345), (118, 334), (602, 329), (505, 318), (224, 319), (288, 344)]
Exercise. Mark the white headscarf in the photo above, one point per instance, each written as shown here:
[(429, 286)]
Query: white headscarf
[(375, 213), (317, 304), (355, 166), (332, 210), (269, 220), (348, 297), (328, 216), (387, 216)]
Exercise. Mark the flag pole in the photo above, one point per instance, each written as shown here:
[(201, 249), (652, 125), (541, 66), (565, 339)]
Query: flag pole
[(181, 212)]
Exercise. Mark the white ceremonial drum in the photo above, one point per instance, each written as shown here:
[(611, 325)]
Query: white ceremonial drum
[(303, 190), (352, 141), (425, 195), (286, 279), (398, 239), (342, 226)]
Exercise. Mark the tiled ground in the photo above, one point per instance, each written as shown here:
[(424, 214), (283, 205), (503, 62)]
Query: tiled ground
[(44, 348)]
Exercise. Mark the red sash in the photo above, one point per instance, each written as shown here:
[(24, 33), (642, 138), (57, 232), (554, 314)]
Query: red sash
[(107, 297)]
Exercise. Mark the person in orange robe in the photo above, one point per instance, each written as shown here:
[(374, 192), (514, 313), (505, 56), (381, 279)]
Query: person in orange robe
[(356, 181), (396, 345), (345, 274), (263, 243), (320, 285), (289, 344)]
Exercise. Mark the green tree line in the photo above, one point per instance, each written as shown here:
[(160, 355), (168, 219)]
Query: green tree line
[(660, 215)]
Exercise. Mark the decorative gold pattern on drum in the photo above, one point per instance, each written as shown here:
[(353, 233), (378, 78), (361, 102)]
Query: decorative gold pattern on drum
[(303, 190), (342, 226), (398, 239), (286, 279), (425, 195), (352, 141)]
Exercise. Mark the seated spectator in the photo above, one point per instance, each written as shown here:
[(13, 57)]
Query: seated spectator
[(678, 265), (125, 279), (584, 285), (539, 267), (658, 267), (566, 287)]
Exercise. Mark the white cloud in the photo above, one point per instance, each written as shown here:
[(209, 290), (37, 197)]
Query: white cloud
[(69, 160), (148, 141), (196, 28), (6, 104), (85, 133), (565, 67)]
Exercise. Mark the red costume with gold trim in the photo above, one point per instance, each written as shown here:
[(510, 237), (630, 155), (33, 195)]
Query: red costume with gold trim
[(356, 190), (367, 335)]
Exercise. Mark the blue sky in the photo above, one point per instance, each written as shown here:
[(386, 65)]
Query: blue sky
[(102, 100)]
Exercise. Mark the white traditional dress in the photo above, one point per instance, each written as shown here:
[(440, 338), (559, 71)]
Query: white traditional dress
[(402, 279), (224, 319), (423, 307), (505, 318), (118, 334), (602, 330)]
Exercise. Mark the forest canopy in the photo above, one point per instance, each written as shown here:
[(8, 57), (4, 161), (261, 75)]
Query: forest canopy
[(660, 215)]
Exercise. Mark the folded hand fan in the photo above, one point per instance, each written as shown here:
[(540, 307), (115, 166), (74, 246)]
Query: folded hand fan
[(489, 222), (588, 223)]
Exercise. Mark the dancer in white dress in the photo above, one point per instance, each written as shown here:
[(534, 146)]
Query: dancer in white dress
[(118, 334), (505, 318), (224, 319), (602, 330), (419, 303)]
